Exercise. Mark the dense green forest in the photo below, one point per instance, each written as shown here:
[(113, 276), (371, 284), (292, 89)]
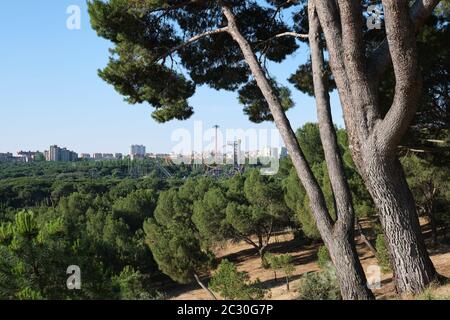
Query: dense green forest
[(132, 235)]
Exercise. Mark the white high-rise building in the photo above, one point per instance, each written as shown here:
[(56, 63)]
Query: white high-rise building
[(61, 154)]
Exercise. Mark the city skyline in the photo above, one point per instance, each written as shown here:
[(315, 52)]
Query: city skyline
[(55, 96), (112, 154)]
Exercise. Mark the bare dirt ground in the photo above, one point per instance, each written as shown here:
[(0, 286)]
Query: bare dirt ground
[(304, 258)]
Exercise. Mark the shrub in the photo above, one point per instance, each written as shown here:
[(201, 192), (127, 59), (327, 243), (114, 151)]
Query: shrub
[(323, 258), (382, 254), (234, 285), (28, 294), (129, 283), (281, 262), (320, 285)]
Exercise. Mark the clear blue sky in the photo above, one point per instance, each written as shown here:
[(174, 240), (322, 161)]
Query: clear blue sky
[(51, 94)]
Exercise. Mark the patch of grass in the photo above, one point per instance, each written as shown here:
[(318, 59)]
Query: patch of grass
[(432, 293)]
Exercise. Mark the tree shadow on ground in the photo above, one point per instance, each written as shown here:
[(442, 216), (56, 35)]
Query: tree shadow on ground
[(281, 280), (283, 247)]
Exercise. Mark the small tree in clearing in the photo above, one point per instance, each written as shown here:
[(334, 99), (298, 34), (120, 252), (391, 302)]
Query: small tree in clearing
[(284, 263), (287, 267), (271, 261), (234, 285)]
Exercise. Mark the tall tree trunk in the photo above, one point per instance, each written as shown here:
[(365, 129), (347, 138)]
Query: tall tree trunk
[(349, 272), (373, 138), (204, 287), (261, 252), (262, 247), (413, 269), (353, 284)]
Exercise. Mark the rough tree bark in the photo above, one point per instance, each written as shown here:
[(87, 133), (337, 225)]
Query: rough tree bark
[(343, 230), (373, 139), (413, 269), (335, 234)]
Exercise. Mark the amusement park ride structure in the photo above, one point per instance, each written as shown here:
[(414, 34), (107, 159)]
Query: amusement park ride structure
[(216, 164)]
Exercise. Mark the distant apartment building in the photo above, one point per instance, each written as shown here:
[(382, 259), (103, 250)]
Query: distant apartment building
[(118, 156), (6, 157), (98, 156), (85, 156), (28, 156), (60, 154), (9, 157), (137, 152), (22, 156)]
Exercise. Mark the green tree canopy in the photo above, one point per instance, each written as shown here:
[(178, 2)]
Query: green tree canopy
[(235, 285), (152, 38)]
